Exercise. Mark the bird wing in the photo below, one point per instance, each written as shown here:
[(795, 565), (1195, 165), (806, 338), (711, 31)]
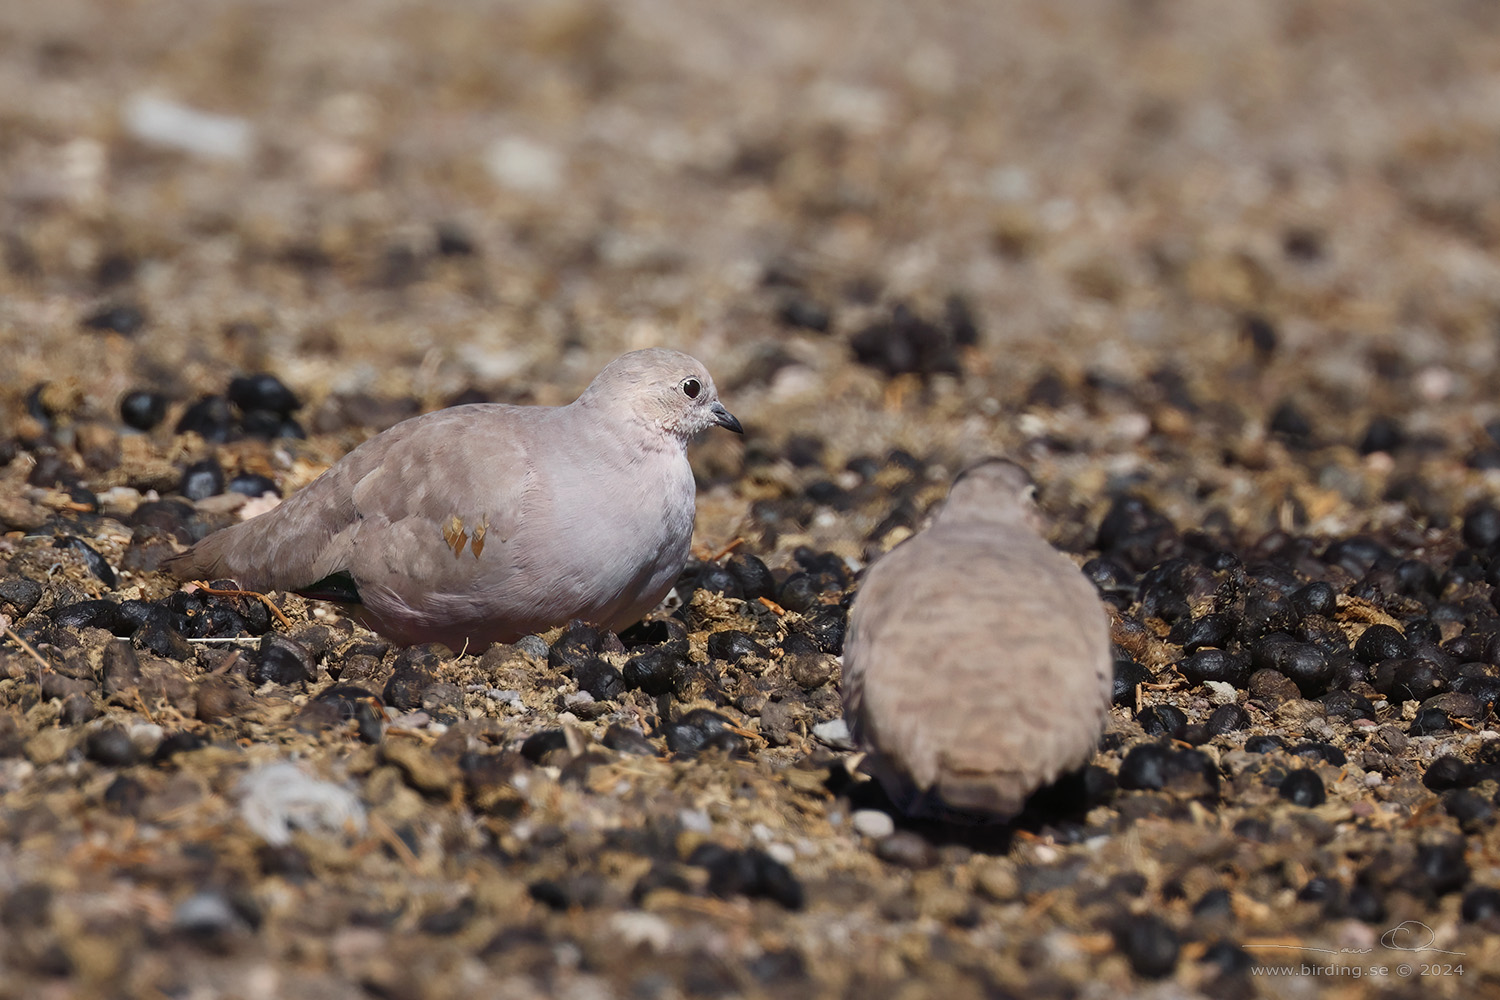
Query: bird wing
[(394, 505)]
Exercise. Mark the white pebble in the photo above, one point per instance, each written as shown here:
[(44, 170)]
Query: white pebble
[(1221, 693), (637, 927), (524, 165), (695, 821), (278, 797), (162, 122), (1374, 779), (873, 823), (783, 853)]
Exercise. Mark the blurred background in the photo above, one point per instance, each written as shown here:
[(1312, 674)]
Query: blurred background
[(1244, 254)]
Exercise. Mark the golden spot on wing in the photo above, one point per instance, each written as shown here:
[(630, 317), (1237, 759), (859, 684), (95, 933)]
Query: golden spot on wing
[(454, 534), (477, 545)]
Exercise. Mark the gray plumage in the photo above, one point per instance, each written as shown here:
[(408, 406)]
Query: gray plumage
[(487, 522), (978, 664)]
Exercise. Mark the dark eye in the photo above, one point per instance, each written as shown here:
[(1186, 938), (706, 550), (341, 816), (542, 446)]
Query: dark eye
[(692, 387)]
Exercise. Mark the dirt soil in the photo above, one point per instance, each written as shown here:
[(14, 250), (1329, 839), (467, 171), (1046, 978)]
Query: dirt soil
[(1224, 276)]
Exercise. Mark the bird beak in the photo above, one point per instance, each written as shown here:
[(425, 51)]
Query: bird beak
[(725, 419)]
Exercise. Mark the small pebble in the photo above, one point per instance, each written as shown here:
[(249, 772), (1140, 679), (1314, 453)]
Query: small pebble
[(872, 823), (906, 850)]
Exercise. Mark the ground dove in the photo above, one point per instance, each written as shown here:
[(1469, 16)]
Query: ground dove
[(978, 666), (487, 522)]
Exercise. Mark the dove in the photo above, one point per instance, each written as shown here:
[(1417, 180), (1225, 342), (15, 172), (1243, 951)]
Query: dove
[(978, 664), (487, 522)]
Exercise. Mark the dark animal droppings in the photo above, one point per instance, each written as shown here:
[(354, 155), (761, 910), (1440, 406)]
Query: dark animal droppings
[(1303, 788), (1441, 865), (1264, 744), (1481, 527), (755, 578), (1227, 719), (751, 873), (209, 418), (1150, 944), (1381, 642), (538, 745), (202, 480), (1128, 674), (1449, 772), (252, 484), (125, 320), (702, 729), (110, 746), (142, 410), (263, 391), (1161, 720), (1481, 905)]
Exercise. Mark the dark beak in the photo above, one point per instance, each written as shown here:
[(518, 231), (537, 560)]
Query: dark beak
[(725, 419)]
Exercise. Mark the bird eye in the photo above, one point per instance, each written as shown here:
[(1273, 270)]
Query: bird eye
[(692, 387)]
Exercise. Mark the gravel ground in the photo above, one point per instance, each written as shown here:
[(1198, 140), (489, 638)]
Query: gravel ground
[(1223, 275)]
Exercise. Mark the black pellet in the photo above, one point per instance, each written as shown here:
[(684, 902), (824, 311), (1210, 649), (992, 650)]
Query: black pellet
[(202, 480), (142, 410), (1227, 719), (1320, 889), (1363, 902), (1429, 722), (599, 678), (1381, 642), (110, 746), (1441, 864), (754, 577), (1302, 788), (1209, 630), (824, 625), (718, 580), (651, 670), (702, 729), (1128, 675), (1381, 434), (1315, 750), (1315, 599), (281, 660), (1480, 905), (209, 417), (733, 646), (253, 484), (539, 744), (1409, 680), (578, 642), (1347, 705), (263, 391), (1473, 814), (623, 739), (125, 320), (1150, 944), (103, 614), (799, 592), (1448, 772), (1161, 720), (1481, 526)]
